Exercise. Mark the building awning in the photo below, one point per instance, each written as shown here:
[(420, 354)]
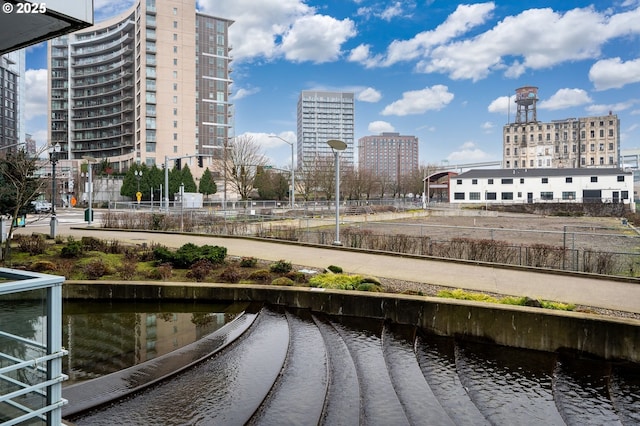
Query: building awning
[(24, 23)]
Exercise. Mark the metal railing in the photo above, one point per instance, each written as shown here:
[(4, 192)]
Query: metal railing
[(31, 370)]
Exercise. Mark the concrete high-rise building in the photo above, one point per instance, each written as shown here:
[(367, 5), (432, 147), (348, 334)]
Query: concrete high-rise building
[(150, 83), (12, 100), (569, 143), (388, 154), (323, 116)]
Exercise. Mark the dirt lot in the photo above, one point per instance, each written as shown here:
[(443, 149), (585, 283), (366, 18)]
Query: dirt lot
[(596, 233)]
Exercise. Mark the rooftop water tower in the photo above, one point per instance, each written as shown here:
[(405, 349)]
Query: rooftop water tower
[(526, 99)]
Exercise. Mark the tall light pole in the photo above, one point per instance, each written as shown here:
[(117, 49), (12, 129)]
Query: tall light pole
[(336, 147), (292, 198), (54, 156), (90, 161), (138, 174)]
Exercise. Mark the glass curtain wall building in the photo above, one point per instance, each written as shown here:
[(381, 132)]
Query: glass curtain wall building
[(150, 83)]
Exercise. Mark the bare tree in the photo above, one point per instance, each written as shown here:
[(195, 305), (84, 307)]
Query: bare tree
[(244, 156), (18, 187)]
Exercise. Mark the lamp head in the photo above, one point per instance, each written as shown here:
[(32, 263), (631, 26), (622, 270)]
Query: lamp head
[(337, 144)]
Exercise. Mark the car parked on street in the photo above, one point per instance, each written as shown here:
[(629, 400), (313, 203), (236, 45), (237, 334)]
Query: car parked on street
[(41, 206)]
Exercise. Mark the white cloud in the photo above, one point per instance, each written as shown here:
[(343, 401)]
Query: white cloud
[(468, 153), (565, 98), (317, 38), (378, 127), (614, 108), (392, 11), (487, 126), (502, 104), (243, 93), (271, 29), (36, 93), (614, 73), (459, 22), (369, 95), (420, 101), (534, 39), (104, 9)]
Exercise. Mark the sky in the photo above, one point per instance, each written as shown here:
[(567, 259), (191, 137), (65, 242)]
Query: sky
[(438, 70)]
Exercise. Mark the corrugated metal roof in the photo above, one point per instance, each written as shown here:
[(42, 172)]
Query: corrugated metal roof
[(522, 173)]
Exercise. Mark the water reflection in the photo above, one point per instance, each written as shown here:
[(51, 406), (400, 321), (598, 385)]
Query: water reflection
[(104, 337)]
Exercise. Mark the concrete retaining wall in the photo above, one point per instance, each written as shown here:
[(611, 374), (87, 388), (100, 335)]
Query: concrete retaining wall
[(532, 328)]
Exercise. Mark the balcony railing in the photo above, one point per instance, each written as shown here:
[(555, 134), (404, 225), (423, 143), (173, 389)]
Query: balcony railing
[(31, 349)]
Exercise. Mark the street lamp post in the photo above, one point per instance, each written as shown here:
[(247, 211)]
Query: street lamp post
[(336, 147), (292, 198), (54, 153), (138, 174), (90, 161)]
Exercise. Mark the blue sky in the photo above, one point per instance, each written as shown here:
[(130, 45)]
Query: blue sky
[(438, 70)]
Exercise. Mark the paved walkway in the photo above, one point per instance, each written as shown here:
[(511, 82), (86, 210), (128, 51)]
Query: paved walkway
[(577, 289)]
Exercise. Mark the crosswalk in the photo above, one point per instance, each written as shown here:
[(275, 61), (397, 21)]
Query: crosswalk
[(64, 217)]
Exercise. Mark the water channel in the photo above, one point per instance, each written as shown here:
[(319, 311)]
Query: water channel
[(297, 367)]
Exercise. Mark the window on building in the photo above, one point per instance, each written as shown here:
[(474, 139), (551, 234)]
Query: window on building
[(474, 181), (530, 163), (506, 181), (545, 180), (474, 196), (506, 196), (521, 180), (583, 161), (568, 180), (458, 195), (547, 196), (459, 181), (175, 136), (594, 178), (624, 195), (610, 160), (508, 151), (620, 178), (490, 181), (568, 195), (491, 196)]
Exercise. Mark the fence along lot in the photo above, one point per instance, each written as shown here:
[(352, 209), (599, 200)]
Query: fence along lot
[(602, 245)]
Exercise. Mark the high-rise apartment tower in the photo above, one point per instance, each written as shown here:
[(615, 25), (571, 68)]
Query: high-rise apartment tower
[(150, 83), (569, 143), (323, 116)]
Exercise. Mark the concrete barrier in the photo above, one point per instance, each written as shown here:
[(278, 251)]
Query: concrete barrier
[(599, 336)]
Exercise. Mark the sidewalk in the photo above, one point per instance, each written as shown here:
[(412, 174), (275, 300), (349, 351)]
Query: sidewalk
[(577, 289)]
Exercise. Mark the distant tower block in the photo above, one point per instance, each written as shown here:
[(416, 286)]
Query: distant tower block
[(526, 99)]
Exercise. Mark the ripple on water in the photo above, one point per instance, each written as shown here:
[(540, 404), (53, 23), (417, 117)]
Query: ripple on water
[(509, 385), (298, 395), (581, 389)]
